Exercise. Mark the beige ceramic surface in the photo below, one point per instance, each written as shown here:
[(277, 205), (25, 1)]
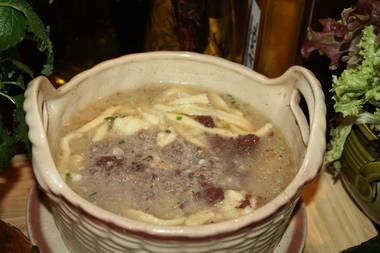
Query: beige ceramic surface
[(330, 211), (43, 232), (87, 228)]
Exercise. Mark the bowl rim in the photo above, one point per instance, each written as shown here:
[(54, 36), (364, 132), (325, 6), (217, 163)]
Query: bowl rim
[(58, 190)]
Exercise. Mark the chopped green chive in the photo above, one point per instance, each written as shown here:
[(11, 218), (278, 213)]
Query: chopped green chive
[(179, 118), (68, 176), (110, 119), (121, 142), (231, 98), (92, 194)]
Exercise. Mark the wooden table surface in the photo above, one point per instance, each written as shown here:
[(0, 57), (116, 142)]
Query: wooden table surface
[(334, 221)]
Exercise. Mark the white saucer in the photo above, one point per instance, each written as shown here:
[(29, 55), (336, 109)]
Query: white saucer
[(44, 233)]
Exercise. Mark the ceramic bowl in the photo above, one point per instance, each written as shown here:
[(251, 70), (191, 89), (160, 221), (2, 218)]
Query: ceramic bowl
[(361, 169), (85, 227)]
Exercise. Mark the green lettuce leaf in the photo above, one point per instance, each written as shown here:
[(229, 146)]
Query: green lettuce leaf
[(336, 145), (356, 87), (354, 91)]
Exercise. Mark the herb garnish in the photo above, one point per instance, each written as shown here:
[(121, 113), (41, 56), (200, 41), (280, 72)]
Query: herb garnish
[(92, 194), (110, 119), (68, 176), (231, 99), (179, 118)]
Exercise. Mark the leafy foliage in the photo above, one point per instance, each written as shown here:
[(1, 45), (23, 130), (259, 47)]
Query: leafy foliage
[(355, 40), (12, 28), (34, 26), (339, 38), (357, 94), (18, 22)]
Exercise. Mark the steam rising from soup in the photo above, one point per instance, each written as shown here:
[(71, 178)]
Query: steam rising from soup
[(174, 155)]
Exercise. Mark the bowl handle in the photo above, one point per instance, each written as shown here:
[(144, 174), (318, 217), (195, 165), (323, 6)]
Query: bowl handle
[(37, 120), (314, 131)]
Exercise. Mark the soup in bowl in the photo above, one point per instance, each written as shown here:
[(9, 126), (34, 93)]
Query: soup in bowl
[(175, 152)]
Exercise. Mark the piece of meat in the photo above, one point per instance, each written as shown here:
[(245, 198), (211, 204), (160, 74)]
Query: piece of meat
[(109, 162), (207, 121), (242, 145), (246, 202), (246, 143), (213, 195)]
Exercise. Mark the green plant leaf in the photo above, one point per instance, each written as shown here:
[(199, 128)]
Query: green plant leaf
[(18, 22), (10, 98), (3, 131), (19, 83), (22, 131), (12, 27), (339, 136), (21, 66), (7, 145), (8, 150), (16, 83), (8, 142), (37, 28)]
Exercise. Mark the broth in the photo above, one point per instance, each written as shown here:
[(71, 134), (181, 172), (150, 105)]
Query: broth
[(174, 155)]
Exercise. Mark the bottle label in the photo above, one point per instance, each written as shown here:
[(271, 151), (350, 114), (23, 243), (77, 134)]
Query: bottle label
[(252, 35)]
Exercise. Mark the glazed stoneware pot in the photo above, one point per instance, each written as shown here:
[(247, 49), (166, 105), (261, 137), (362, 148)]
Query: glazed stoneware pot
[(361, 170), (85, 227)]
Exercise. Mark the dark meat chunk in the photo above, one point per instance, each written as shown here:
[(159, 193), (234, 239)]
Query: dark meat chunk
[(213, 195), (207, 121), (182, 205), (246, 143), (154, 177), (109, 162), (246, 202), (241, 146)]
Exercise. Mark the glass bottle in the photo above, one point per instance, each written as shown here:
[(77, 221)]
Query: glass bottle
[(281, 32), (214, 27)]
